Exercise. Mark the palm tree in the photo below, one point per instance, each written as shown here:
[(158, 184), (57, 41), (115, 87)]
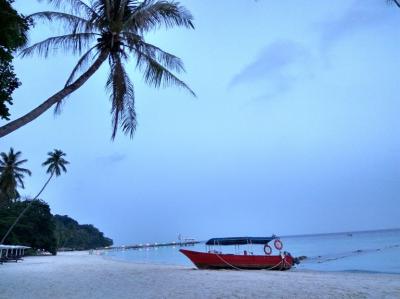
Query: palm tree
[(12, 175), (55, 163), (110, 30), (55, 166)]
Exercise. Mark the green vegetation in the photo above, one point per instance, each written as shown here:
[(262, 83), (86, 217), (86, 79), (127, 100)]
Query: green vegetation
[(30, 222), (11, 176), (70, 234), (110, 31), (55, 164), (39, 229), (36, 229), (13, 28)]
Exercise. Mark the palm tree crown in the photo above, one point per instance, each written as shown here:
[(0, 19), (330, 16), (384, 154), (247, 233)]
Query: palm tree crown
[(114, 30), (12, 174), (55, 162)]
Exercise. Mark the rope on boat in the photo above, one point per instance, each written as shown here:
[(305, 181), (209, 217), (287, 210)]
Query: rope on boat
[(234, 267), (282, 263)]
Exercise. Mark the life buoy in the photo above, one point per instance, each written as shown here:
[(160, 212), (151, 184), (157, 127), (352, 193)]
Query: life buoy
[(267, 249), (278, 244)]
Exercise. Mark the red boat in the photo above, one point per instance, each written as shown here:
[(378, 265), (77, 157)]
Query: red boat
[(214, 259)]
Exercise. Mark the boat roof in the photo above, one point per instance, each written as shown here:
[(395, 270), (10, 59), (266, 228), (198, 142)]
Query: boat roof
[(240, 240), (13, 247)]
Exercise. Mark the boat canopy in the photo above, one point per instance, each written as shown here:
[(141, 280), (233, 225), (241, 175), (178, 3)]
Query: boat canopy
[(240, 240)]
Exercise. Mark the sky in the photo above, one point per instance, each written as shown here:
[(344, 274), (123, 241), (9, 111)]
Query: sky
[(294, 130)]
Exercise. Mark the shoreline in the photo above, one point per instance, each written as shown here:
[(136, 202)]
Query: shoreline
[(80, 275), (294, 269)]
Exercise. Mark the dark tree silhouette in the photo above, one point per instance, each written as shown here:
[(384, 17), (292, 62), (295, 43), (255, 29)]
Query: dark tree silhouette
[(12, 176), (55, 165)]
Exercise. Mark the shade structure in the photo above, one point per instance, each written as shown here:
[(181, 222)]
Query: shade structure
[(13, 247), (240, 240)]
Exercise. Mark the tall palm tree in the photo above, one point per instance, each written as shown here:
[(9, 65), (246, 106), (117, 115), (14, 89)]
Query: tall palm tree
[(56, 164), (12, 175), (110, 30)]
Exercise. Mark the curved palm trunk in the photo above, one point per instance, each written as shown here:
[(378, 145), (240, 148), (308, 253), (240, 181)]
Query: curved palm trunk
[(16, 124), (25, 209)]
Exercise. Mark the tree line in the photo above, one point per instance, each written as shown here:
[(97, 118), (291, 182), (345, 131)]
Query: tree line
[(29, 222), (40, 230)]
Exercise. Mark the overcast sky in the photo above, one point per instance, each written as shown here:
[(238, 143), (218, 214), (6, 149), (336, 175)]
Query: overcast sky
[(295, 129)]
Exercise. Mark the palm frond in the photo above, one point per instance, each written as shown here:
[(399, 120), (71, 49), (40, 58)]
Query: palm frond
[(70, 22), (74, 6), (156, 74), (19, 179), (63, 166), (128, 119), (395, 2), (168, 60), (122, 98), (16, 163), (15, 155), (152, 14), (23, 170), (4, 156), (75, 42), (104, 10), (117, 88)]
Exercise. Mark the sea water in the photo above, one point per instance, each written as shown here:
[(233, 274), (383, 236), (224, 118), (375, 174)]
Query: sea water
[(372, 251)]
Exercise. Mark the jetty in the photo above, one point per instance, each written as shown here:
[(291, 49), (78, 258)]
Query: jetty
[(181, 243)]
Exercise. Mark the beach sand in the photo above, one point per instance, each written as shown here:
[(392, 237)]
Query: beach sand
[(80, 275)]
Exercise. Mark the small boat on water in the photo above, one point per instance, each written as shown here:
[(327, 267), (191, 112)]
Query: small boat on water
[(213, 259)]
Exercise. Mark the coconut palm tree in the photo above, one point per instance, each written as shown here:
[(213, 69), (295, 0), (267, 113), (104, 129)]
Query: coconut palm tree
[(56, 164), (12, 175), (113, 31)]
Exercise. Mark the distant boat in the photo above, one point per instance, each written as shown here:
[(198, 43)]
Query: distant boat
[(217, 260)]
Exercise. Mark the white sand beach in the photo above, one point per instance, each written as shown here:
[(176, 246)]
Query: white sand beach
[(80, 275)]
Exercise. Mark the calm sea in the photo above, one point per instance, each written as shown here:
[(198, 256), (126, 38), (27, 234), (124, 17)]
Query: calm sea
[(373, 251)]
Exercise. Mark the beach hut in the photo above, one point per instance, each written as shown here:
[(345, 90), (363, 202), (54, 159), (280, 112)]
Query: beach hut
[(12, 252)]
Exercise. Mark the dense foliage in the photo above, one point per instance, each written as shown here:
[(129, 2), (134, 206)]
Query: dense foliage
[(39, 229), (71, 234), (13, 27), (36, 229)]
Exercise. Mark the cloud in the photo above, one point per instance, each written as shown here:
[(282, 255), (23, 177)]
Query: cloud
[(275, 61), (358, 17), (112, 158)]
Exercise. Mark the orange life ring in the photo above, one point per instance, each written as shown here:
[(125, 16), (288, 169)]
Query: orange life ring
[(278, 244), (267, 249)]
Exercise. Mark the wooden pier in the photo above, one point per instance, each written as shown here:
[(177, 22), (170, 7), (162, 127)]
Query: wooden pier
[(182, 243)]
